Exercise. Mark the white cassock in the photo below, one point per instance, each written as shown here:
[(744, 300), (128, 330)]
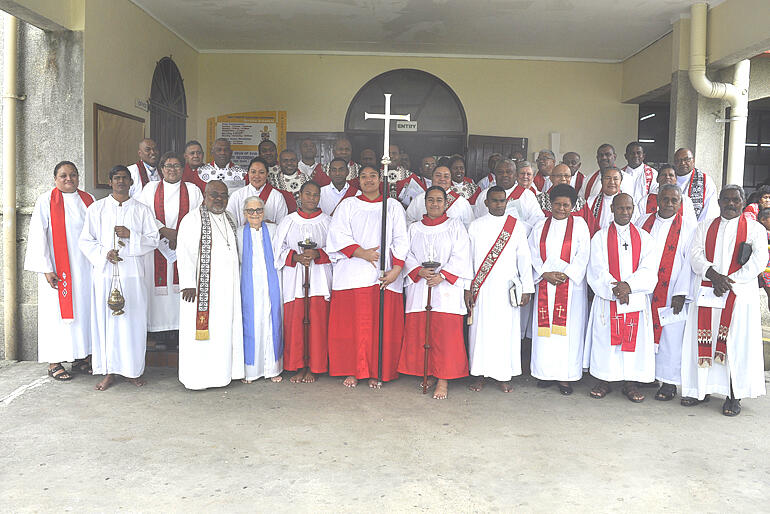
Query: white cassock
[(275, 205), (607, 362), (412, 189), (649, 204), (216, 361), (494, 343), (164, 302), (744, 362), (487, 182), (644, 178), (709, 195), (592, 185), (525, 208), (58, 340), (265, 363), (458, 209), (118, 342), (602, 212), (560, 357), (668, 359), (331, 197), (136, 187)]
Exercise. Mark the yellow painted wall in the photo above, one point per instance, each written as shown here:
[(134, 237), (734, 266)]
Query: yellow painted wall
[(648, 70), (530, 99), (67, 13), (122, 45), (737, 25)]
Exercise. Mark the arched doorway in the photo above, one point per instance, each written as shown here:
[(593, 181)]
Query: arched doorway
[(442, 128), (168, 107)]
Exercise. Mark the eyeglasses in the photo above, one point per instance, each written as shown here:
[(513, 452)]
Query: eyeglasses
[(252, 212), (216, 196), (172, 166)]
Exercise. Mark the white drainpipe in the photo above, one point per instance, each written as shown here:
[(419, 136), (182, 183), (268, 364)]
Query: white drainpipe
[(737, 93)]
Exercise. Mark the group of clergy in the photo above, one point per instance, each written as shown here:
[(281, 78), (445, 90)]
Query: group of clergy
[(632, 273)]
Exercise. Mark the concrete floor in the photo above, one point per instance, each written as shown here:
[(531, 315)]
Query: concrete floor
[(321, 447)]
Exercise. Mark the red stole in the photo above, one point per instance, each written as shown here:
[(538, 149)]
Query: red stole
[(660, 293), (265, 194), (623, 327), (191, 176), (492, 256), (160, 262), (590, 184), (652, 204), (451, 196), (516, 193), (544, 328), (319, 176), (704, 313), (61, 256), (539, 181), (579, 177), (142, 173)]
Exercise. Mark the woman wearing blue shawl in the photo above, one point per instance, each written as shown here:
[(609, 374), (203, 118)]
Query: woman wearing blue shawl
[(260, 296)]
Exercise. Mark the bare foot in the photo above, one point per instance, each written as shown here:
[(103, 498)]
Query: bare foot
[(351, 381), (106, 382), (477, 384), (246, 381), (138, 381), (431, 383), (309, 377), (506, 387), (374, 383), (276, 379), (299, 377), (441, 389)]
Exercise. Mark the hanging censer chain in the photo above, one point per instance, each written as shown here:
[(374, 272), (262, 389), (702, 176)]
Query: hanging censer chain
[(116, 301)]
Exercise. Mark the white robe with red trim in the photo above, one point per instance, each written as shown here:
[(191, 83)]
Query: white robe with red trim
[(494, 345), (710, 204), (57, 340), (460, 209), (627, 185), (118, 342), (275, 206), (607, 362), (331, 197), (560, 357), (525, 208), (640, 209), (744, 361), (163, 309), (293, 229), (605, 216), (639, 178), (137, 186)]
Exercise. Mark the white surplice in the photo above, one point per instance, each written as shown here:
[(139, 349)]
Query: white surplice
[(218, 360), (164, 308), (331, 197), (638, 176), (265, 363), (668, 359), (525, 208), (460, 209), (275, 206), (607, 362), (118, 342), (604, 217), (293, 229), (137, 187), (560, 357), (640, 210), (710, 205), (58, 340), (494, 343), (744, 363)]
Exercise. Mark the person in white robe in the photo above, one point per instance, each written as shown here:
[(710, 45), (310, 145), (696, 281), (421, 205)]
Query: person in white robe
[(600, 204), (672, 234), (489, 179), (722, 351), (622, 274), (145, 170), (117, 233), (521, 202), (222, 168), (274, 200), (649, 202), (605, 158), (210, 322), (338, 189), (308, 226), (642, 176), (63, 275), (457, 206), (501, 285), (696, 185), (560, 246), (170, 200)]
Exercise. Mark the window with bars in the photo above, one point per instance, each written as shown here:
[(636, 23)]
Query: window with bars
[(168, 107)]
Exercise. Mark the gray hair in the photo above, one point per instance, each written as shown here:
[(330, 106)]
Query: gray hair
[(523, 164), (734, 187), (547, 152), (670, 187), (253, 199), (507, 162)]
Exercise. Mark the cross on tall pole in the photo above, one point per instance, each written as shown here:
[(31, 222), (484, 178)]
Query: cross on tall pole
[(387, 117)]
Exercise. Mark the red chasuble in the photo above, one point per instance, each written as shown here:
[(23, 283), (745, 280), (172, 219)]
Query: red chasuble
[(560, 304), (624, 327)]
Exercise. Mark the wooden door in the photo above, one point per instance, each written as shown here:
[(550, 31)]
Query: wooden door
[(481, 147)]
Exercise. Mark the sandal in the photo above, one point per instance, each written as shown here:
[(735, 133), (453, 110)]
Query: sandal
[(731, 407), (600, 390), (82, 366), (544, 384), (565, 390), (666, 392), (59, 373), (631, 391), (689, 401)]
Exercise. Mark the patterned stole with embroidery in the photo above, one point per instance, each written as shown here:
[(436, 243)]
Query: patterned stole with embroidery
[(660, 293), (492, 256)]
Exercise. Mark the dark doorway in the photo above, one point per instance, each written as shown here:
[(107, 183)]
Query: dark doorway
[(168, 107), (481, 147), (653, 132), (756, 169), (442, 128)]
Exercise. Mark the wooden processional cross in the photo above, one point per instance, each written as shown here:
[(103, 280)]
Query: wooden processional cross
[(387, 117)]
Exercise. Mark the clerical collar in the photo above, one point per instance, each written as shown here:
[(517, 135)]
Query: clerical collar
[(670, 218), (228, 165), (310, 216), (429, 222), (622, 228), (175, 184), (115, 200), (363, 198)]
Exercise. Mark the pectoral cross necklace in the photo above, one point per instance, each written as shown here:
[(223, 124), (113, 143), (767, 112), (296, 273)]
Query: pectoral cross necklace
[(219, 229)]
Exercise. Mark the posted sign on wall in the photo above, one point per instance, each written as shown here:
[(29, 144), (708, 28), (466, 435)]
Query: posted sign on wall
[(245, 130)]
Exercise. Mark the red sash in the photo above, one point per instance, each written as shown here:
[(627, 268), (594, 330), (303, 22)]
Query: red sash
[(265, 194), (590, 184), (142, 173), (660, 293), (61, 256), (160, 262), (705, 339), (560, 303), (579, 177), (319, 176), (491, 259), (647, 177), (191, 176), (539, 181), (623, 327), (516, 193), (351, 192)]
